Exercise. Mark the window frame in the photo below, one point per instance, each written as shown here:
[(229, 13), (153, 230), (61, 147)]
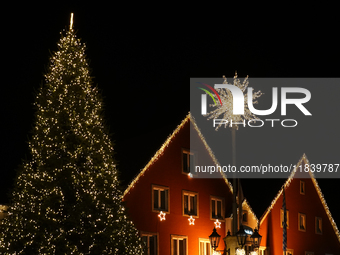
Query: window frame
[(178, 237), (190, 193), (216, 198), (303, 215), (206, 241), (149, 234), (318, 219), (188, 152), (281, 218), (167, 205), (302, 187)]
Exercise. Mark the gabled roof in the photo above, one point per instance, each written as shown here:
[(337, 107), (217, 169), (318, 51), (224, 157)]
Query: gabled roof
[(316, 186), (161, 150)]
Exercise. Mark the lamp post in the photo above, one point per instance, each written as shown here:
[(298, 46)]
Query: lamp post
[(256, 239), (241, 236), (214, 239)]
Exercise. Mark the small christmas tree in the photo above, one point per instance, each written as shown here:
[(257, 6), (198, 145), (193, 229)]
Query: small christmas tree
[(67, 198)]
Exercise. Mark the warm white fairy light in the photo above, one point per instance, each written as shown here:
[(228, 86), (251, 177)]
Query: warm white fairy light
[(68, 190), (225, 111), (240, 251), (191, 220), (217, 223)]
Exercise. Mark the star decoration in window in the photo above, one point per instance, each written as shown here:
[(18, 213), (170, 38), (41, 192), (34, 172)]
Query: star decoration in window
[(161, 215), (217, 224), (191, 221)]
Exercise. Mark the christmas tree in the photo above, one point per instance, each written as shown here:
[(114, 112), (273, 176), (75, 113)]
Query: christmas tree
[(66, 198)]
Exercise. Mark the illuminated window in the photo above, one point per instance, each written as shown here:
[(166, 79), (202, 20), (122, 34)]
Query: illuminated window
[(150, 243), (217, 208), (187, 161), (282, 218), (160, 198), (318, 225), (205, 247), (289, 252), (190, 203), (302, 187), (302, 222), (179, 245)]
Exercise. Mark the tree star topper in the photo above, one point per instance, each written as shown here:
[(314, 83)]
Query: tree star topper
[(225, 110)]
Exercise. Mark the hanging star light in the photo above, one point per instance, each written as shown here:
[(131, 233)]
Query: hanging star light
[(225, 110), (217, 224), (161, 216), (191, 221)]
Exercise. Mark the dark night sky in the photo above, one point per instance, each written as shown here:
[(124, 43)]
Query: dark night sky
[(142, 59)]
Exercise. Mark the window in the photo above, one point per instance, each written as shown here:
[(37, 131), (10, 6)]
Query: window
[(160, 198), (282, 218), (150, 243), (302, 187), (190, 203), (205, 247), (217, 208), (245, 216), (187, 161), (179, 245), (289, 252), (302, 222), (318, 225)]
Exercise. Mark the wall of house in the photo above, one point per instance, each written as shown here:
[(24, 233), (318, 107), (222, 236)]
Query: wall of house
[(167, 171), (300, 240)]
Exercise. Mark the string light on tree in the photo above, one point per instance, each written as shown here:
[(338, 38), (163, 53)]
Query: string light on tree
[(67, 198)]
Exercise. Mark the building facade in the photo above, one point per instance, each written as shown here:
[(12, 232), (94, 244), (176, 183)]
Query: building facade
[(174, 212), (311, 229)]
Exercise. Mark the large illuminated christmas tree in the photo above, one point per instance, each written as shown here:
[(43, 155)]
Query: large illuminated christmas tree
[(67, 198)]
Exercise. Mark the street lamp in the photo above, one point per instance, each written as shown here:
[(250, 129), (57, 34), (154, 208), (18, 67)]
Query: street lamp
[(214, 239), (241, 236), (256, 238)]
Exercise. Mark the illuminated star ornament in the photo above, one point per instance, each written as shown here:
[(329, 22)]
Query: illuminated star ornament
[(191, 221), (225, 110), (161, 216), (217, 224)]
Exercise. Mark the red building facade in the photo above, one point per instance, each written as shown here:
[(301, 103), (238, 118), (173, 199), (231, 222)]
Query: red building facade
[(311, 229), (175, 213)]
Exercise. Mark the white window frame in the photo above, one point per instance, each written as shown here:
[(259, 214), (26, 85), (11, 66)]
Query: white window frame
[(178, 238), (221, 199), (148, 235), (304, 217), (190, 194), (206, 242), (160, 188)]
